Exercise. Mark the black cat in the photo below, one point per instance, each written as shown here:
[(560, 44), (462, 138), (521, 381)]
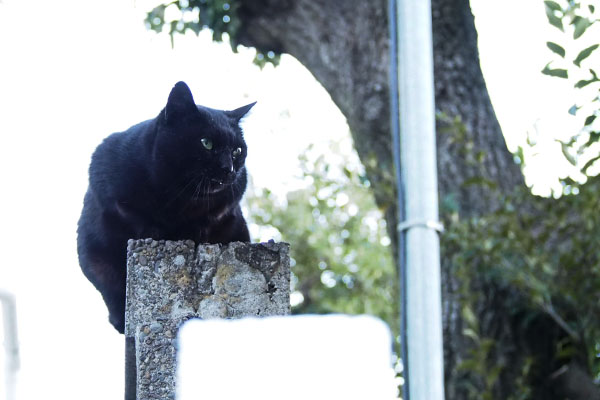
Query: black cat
[(178, 176)]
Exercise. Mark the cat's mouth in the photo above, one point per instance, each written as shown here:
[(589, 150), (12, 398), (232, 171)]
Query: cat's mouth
[(216, 185)]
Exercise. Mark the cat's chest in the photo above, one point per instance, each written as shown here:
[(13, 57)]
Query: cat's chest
[(209, 213), (195, 220), (195, 224)]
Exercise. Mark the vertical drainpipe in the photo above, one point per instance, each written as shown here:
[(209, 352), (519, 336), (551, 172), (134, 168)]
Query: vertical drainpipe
[(412, 104), (11, 343), (395, 130)]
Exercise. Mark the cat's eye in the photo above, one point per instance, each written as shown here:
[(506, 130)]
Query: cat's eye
[(237, 152), (207, 143)]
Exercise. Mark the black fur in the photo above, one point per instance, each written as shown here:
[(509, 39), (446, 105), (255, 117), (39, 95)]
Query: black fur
[(158, 180)]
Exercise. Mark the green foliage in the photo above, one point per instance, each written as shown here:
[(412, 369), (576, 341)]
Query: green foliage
[(557, 72), (457, 134), (542, 261), (556, 48), (551, 10), (478, 356), (340, 250), (531, 260), (579, 15), (585, 53), (220, 16), (194, 15), (584, 82)]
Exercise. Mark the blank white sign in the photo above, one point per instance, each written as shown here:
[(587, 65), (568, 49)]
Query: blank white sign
[(286, 358)]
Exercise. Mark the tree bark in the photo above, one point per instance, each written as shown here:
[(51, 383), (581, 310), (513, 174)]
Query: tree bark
[(345, 45)]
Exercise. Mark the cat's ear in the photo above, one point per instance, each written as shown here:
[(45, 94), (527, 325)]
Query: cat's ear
[(239, 113), (180, 102)]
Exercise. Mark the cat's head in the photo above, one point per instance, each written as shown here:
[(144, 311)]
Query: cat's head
[(203, 143)]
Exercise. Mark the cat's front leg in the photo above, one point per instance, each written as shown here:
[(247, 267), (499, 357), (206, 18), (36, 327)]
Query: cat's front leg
[(230, 228)]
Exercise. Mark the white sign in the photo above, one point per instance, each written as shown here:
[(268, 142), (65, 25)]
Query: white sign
[(286, 358)]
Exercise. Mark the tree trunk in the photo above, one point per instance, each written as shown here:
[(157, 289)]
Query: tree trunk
[(345, 44)]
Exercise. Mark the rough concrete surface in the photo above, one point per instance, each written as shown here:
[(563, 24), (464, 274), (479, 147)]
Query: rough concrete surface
[(169, 282)]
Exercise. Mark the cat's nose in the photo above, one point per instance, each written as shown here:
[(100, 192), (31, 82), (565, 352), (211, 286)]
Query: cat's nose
[(227, 170), (230, 175), (226, 164)]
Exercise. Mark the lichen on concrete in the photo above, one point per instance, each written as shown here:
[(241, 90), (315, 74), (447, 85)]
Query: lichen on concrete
[(169, 282)]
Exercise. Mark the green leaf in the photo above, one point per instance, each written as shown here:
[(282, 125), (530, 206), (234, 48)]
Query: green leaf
[(556, 48), (552, 5), (565, 150), (581, 24), (194, 27), (585, 54), (592, 8), (555, 21), (566, 351), (560, 73), (470, 318), (590, 163), (519, 156), (470, 364), (492, 375), (468, 332), (594, 138), (589, 120), (156, 18), (583, 83)]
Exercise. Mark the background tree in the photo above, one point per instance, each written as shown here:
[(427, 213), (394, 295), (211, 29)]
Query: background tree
[(519, 273), (341, 258), (574, 19)]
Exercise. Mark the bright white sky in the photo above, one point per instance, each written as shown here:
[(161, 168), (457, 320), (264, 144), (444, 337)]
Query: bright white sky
[(72, 72)]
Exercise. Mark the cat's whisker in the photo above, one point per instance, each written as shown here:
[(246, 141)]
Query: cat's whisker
[(173, 199), (197, 190), (207, 194)]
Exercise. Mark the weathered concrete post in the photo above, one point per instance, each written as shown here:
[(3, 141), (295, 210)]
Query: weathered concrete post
[(169, 282)]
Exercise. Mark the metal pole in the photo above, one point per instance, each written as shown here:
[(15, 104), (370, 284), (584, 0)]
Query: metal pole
[(419, 229), (11, 343)]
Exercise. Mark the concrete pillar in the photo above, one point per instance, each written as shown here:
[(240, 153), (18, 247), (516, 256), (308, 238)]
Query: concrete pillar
[(169, 282)]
